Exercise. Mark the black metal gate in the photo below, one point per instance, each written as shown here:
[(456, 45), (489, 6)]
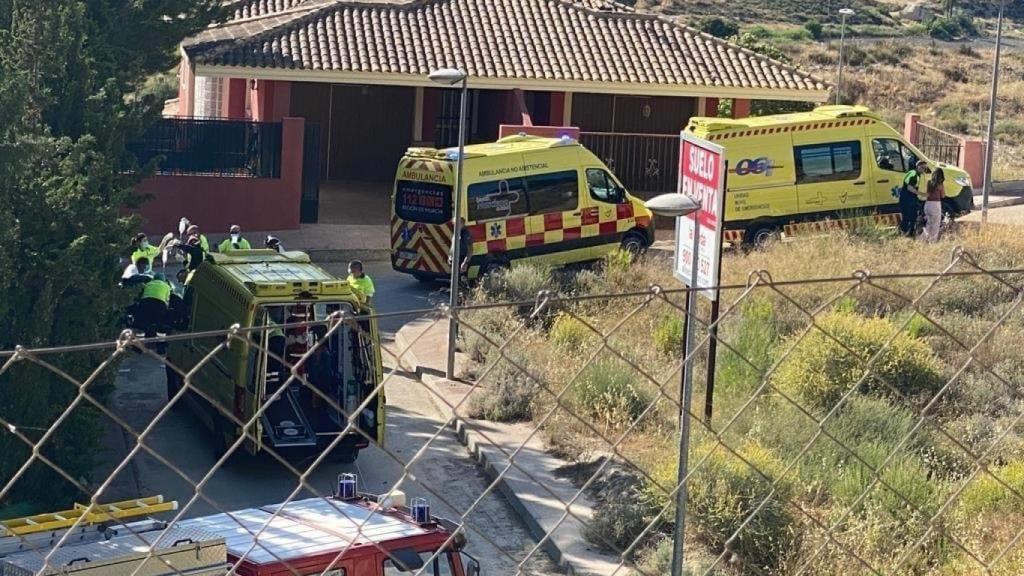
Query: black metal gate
[(309, 208)]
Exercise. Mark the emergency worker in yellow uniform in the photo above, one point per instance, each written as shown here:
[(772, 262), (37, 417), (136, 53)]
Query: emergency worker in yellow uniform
[(234, 241), (151, 311), (193, 230), (141, 248), (360, 281)]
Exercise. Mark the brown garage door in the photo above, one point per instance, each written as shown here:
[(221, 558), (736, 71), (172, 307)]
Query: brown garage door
[(371, 126)]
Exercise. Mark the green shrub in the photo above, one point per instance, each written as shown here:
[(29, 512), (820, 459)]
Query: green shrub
[(618, 262), (519, 283), (506, 395), (820, 370), (609, 392), (757, 31), (815, 29), (725, 490), (985, 495), (568, 332), (718, 27), (952, 27), (668, 335), (751, 338), (618, 522)]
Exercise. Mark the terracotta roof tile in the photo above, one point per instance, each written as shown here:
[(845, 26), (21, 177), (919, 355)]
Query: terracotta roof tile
[(548, 40)]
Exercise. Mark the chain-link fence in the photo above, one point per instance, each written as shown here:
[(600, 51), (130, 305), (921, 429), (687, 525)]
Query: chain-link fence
[(859, 424)]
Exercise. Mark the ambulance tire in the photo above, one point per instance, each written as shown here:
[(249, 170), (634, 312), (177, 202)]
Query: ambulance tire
[(173, 385), (345, 455), (491, 266), (633, 243), (760, 235)]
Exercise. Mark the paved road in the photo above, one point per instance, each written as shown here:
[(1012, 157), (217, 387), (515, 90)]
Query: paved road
[(496, 536)]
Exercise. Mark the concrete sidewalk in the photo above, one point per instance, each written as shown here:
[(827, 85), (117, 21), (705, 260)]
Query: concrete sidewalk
[(323, 242), (532, 484)]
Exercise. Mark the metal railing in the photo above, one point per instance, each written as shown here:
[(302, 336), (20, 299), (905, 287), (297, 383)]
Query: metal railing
[(842, 443), (187, 146), (938, 144), (645, 163)]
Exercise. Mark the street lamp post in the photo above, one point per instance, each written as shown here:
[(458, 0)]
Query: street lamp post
[(677, 206), (986, 180), (842, 42), (451, 77)]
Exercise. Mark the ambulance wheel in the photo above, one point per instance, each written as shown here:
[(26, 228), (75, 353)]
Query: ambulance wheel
[(173, 385), (492, 266), (633, 243), (345, 455), (761, 235)]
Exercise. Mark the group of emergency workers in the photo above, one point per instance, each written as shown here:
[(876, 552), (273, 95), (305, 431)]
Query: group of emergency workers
[(915, 200), (159, 300)]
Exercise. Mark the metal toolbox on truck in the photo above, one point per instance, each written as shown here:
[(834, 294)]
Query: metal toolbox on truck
[(185, 551)]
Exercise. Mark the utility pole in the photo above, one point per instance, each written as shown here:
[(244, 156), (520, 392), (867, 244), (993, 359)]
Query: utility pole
[(990, 138)]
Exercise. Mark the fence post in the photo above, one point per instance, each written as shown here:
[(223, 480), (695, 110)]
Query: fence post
[(910, 124)]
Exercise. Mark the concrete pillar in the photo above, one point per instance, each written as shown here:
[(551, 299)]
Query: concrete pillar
[(740, 107), (516, 111), (186, 88), (417, 116), (972, 158), (910, 123), (557, 112), (567, 109), (233, 99), (293, 131), (710, 107), (281, 105)]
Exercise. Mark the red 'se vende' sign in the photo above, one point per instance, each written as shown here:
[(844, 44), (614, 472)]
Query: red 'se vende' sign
[(700, 178)]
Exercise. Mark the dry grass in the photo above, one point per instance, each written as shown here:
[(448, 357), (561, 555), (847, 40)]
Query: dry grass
[(977, 410), (949, 87)]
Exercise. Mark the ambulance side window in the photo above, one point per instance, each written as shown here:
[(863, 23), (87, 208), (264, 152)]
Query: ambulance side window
[(496, 199), (827, 162), (891, 154), (554, 192), (602, 187)]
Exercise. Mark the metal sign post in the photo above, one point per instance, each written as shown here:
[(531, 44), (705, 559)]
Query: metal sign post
[(697, 256)]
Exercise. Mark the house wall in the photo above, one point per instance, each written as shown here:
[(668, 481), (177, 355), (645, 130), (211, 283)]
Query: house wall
[(631, 114), (215, 203)]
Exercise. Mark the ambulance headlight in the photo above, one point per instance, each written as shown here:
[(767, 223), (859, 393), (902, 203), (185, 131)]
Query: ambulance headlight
[(962, 181)]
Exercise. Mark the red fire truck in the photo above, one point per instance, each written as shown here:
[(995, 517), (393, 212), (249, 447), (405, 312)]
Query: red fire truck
[(335, 537), (358, 536)]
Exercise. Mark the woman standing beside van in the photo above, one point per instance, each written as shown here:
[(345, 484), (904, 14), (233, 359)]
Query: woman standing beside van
[(933, 205)]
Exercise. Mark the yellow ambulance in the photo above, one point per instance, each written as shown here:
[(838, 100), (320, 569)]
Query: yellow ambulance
[(835, 165), (524, 197), (275, 298)]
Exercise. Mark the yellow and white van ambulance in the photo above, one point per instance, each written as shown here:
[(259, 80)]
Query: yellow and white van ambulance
[(524, 197), (836, 164)]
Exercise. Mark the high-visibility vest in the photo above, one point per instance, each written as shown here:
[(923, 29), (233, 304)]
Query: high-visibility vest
[(149, 252), (158, 290), (227, 245), (204, 242)]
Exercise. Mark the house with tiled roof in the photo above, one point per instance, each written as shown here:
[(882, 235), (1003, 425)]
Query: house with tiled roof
[(358, 69)]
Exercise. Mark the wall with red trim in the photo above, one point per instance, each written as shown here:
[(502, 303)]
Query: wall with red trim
[(215, 203)]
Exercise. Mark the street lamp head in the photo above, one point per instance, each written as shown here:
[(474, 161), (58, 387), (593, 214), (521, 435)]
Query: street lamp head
[(672, 205), (846, 12), (447, 76)]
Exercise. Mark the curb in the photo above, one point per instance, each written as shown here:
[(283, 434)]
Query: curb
[(458, 425), (1002, 204)]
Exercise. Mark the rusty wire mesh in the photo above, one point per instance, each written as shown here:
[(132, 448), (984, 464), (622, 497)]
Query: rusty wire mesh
[(839, 441)]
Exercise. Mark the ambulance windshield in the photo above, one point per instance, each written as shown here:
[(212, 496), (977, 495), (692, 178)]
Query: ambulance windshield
[(426, 202)]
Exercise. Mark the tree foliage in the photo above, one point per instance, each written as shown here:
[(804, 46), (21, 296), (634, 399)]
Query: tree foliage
[(70, 97)]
